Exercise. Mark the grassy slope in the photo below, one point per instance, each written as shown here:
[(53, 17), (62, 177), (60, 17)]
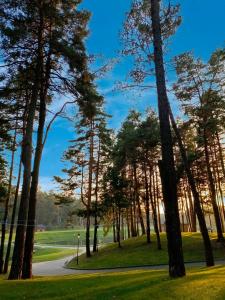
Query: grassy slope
[(133, 285), (136, 252), (68, 237), (57, 237), (50, 254)]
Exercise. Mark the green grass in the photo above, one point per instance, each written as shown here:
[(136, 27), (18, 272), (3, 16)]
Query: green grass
[(136, 251), (201, 283), (47, 254), (68, 237)]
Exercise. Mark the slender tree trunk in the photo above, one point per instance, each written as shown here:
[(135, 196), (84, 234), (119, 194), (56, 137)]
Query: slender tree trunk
[(6, 212), (30, 231), (118, 235), (192, 209), (220, 154), (212, 190), (8, 251), (133, 230), (157, 199), (90, 175), (147, 207), (152, 199), (216, 177), (136, 189), (168, 174), (128, 223), (18, 252), (114, 226), (95, 240), (207, 244)]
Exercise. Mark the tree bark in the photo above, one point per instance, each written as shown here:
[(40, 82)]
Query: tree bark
[(205, 235), (95, 240), (147, 207), (168, 174), (136, 189), (30, 231), (90, 175), (212, 190), (18, 252), (8, 251), (154, 211), (6, 212)]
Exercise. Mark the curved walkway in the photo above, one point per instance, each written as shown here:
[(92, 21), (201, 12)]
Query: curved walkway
[(57, 267)]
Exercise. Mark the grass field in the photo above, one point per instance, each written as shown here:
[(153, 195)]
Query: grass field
[(61, 238), (201, 283), (136, 252), (69, 237), (47, 254)]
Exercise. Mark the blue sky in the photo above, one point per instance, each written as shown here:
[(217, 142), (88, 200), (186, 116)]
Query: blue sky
[(202, 30)]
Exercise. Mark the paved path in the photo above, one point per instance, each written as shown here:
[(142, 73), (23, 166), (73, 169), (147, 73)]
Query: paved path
[(53, 246), (56, 267)]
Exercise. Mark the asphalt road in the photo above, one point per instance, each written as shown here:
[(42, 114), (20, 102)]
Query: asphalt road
[(57, 267)]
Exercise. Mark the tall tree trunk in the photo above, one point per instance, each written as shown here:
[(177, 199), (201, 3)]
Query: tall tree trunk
[(204, 231), (157, 200), (118, 233), (95, 240), (136, 189), (128, 223), (29, 243), (152, 199), (216, 176), (212, 190), (132, 223), (147, 207), (168, 174), (6, 211), (90, 175), (220, 154), (30, 231), (18, 252), (8, 251), (192, 209), (114, 226)]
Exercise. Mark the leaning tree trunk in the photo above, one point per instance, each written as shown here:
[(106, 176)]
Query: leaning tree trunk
[(204, 231), (29, 243), (17, 260), (168, 174), (18, 252)]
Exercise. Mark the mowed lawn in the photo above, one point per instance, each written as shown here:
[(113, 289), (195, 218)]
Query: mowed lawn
[(201, 283), (60, 238), (47, 254), (136, 252), (69, 237)]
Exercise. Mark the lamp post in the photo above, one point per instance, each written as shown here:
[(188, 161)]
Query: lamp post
[(78, 245)]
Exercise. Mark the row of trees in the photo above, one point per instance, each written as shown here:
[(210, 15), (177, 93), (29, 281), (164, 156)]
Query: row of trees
[(132, 177), (43, 60), (151, 166)]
